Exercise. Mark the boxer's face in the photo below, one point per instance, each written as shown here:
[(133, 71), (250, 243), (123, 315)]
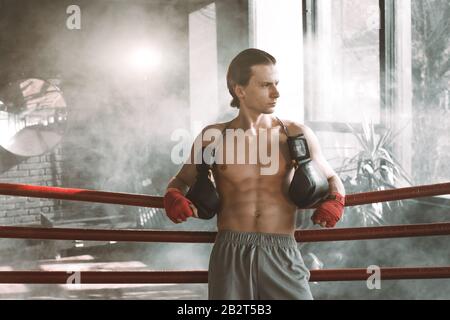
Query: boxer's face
[(261, 93)]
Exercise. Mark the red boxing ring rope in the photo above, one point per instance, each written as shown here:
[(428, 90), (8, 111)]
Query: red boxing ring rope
[(362, 233), (129, 199), (431, 229), (114, 277), (157, 202)]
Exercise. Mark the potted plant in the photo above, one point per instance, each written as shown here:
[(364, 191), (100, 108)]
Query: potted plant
[(374, 167)]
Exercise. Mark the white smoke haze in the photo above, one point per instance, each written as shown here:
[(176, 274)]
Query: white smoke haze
[(121, 118), (120, 115)]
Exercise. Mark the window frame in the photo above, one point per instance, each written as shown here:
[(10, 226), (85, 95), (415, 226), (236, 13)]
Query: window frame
[(386, 60)]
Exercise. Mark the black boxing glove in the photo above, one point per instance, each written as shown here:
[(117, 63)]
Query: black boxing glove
[(309, 184), (203, 193)]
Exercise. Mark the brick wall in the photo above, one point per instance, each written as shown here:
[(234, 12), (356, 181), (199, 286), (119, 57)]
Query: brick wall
[(44, 170)]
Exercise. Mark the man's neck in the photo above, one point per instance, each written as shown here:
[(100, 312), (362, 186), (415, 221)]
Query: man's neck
[(247, 120)]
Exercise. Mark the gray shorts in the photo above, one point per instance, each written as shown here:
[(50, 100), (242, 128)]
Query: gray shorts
[(250, 265)]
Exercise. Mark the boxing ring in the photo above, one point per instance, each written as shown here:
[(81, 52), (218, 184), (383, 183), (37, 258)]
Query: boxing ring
[(135, 277)]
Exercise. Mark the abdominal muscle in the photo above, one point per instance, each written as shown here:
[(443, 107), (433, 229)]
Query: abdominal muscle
[(253, 202), (256, 205)]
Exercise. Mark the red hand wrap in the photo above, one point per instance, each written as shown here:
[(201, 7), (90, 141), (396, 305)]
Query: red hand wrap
[(330, 210), (177, 205)]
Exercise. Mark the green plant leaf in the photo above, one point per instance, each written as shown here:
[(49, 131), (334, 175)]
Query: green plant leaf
[(348, 162), (366, 135), (384, 140), (356, 134), (403, 172)]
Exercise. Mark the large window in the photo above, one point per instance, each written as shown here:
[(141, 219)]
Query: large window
[(203, 66), (344, 61), (431, 83), (384, 62), (342, 71)]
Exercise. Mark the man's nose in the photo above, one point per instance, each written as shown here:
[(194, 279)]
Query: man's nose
[(274, 93)]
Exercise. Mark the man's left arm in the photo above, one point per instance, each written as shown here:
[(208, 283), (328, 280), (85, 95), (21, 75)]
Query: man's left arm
[(329, 211), (336, 185)]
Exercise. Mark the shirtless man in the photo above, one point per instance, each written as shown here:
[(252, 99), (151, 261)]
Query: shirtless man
[(255, 255)]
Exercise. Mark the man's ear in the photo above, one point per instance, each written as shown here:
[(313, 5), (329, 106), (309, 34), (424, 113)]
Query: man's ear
[(239, 91)]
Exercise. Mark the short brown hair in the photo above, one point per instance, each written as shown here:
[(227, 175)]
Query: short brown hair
[(239, 71)]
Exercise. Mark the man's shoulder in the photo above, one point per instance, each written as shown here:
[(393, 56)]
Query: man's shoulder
[(219, 126), (296, 128)]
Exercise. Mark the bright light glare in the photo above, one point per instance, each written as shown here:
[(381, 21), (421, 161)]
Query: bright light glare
[(145, 59)]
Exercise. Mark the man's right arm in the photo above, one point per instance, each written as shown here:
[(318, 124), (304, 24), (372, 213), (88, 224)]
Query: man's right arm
[(178, 207), (188, 172), (179, 183)]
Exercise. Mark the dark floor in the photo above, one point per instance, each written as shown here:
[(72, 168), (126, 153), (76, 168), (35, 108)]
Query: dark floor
[(104, 257)]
